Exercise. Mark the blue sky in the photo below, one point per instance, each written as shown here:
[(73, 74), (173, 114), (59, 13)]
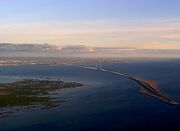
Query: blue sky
[(101, 17), (40, 10)]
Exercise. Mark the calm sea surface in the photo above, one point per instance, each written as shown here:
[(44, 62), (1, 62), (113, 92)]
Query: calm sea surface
[(106, 102)]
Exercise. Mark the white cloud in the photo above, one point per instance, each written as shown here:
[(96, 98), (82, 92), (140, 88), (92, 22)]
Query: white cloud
[(45, 50)]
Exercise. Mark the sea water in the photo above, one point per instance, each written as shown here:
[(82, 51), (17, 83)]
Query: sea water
[(105, 102)]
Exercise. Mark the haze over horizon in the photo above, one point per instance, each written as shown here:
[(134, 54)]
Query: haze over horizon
[(72, 51), (139, 24)]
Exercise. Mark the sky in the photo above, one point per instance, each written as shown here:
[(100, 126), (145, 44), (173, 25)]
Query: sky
[(141, 24)]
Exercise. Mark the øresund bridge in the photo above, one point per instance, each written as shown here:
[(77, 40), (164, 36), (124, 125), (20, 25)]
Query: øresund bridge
[(147, 87)]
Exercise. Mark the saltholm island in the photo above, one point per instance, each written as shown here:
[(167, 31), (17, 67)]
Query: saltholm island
[(29, 92)]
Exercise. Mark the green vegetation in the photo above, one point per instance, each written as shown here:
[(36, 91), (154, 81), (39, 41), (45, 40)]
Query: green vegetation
[(31, 92)]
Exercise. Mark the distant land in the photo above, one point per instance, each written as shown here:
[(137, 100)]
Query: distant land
[(55, 61)]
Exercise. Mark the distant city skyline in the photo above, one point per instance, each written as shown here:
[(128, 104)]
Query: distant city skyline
[(140, 24)]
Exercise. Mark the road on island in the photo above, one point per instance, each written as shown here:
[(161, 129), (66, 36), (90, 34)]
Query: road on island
[(146, 86)]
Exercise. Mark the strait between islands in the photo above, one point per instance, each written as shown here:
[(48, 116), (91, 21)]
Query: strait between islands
[(30, 92)]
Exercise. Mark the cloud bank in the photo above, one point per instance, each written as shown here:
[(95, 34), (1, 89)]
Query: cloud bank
[(140, 34), (46, 50)]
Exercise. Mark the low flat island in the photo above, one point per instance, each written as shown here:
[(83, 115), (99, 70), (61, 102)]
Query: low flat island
[(30, 92)]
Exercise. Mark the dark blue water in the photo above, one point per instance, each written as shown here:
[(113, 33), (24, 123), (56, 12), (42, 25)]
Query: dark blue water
[(106, 102)]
